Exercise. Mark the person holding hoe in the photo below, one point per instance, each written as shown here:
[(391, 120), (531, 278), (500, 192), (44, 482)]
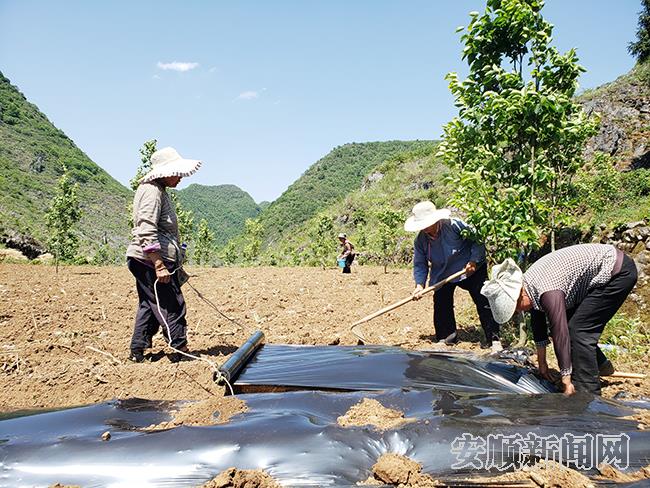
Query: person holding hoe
[(155, 254), (578, 289), (441, 250), (347, 253)]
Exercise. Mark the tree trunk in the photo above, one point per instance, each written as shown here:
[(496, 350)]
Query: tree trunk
[(553, 207)]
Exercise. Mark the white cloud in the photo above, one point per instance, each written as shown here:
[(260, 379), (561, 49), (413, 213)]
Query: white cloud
[(156, 77), (177, 66), (248, 95), (213, 69)]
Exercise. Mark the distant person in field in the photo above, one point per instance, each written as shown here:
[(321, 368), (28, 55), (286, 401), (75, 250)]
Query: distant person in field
[(578, 289), (440, 250), (347, 252), (155, 253)]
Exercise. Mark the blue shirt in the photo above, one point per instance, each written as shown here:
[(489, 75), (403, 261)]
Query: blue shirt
[(446, 255)]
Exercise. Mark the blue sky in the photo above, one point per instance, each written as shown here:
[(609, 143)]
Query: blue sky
[(264, 88)]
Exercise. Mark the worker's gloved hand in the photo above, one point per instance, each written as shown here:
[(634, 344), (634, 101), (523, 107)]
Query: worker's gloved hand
[(470, 268), (417, 293)]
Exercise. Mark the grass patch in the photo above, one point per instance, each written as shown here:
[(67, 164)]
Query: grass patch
[(630, 336)]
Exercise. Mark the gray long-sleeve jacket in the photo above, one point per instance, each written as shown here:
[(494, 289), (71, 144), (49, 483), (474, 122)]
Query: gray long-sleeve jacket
[(155, 226)]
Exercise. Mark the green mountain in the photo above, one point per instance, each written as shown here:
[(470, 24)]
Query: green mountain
[(32, 151), (224, 207), (394, 186), (605, 197), (328, 181)]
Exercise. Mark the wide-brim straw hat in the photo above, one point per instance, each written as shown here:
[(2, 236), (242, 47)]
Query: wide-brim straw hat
[(167, 162), (503, 290), (424, 215)]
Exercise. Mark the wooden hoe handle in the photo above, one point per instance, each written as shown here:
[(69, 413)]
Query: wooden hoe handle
[(404, 301)]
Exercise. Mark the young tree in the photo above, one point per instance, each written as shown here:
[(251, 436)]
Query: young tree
[(204, 244), (147, 149), (229, 254), (63, 214), (518, 138), (387, 234), (252, 240), (640, 48), (322, 241), (185, 220)]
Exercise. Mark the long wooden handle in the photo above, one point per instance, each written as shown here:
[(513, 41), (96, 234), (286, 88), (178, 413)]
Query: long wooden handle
[(622, 374), (404, 301)]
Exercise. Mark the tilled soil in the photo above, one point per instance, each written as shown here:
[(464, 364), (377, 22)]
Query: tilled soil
[(65, 337), (242, 478), (397, 470), (370, 412)]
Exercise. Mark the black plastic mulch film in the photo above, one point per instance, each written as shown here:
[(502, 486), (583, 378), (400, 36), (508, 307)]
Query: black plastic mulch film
[(293, 433)]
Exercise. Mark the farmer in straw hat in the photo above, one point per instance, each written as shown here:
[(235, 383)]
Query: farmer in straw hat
[(347, 252), (579, 289), (154, 253), (440, 250)]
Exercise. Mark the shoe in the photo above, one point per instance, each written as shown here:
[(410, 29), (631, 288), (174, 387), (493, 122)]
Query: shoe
[(450, 340), (177, 357), (606, 369), (496, 347), (136, 356)]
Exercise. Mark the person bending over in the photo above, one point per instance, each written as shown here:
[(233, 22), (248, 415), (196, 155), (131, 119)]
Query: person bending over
[(578, 289)]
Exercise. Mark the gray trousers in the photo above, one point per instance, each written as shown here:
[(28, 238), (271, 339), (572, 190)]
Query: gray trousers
[(147, 318)]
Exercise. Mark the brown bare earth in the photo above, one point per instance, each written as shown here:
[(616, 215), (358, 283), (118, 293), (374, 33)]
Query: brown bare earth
[(547, 474), (65, 337), (610, 473), (370, 412), (210, 411), (401, 471), (242, 478)]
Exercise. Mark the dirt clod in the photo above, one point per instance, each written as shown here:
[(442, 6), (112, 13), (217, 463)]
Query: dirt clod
[(547, 474), (203, 413), (611, 473), (370, 412), (242, 478), (400, 471)]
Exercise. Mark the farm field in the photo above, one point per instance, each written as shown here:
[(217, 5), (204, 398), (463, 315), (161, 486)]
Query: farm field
[(65, 337)]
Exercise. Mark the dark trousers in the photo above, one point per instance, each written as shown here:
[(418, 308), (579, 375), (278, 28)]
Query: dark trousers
[(588, 322), (444, 320), (348, 262), (147, 318)]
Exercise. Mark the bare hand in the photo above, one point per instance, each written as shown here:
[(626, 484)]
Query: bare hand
[(417, 293), (163, 274), (470, 268), (569, 389)]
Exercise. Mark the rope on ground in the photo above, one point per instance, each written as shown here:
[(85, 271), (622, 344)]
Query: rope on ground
[(213, 365), (230, 319)]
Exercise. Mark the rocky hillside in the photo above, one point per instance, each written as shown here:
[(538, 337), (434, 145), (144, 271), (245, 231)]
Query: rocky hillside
[(32, 151), (224, 207), (624, 107)]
